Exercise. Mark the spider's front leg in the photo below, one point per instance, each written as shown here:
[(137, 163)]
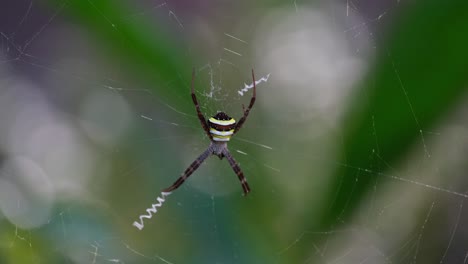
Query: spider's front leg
[(197, 107), (246, 111)]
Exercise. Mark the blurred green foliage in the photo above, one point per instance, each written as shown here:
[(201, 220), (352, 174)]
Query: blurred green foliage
[(419, 74), (151, 56)]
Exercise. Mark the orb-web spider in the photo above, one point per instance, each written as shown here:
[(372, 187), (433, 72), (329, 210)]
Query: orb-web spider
[(219, 129)]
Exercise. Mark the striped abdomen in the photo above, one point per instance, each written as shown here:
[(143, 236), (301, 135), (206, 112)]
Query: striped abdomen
[(221, 126)]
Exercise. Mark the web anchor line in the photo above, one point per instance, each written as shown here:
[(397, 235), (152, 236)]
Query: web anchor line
[(150, 211)]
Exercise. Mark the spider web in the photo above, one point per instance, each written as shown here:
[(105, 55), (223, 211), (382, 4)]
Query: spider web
[(87, 143)]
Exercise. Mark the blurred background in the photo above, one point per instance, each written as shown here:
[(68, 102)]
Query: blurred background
[(355, 150)]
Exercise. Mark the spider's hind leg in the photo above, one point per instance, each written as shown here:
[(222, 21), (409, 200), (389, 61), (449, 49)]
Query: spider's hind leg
[(238, 171)]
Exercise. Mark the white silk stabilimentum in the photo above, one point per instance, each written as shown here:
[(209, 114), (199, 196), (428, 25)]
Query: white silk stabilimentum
[(151, 211)]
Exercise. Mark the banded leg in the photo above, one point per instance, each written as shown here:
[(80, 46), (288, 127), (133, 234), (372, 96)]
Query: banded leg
[(190, 170), (247, 111), (237, 170), (197, 106)]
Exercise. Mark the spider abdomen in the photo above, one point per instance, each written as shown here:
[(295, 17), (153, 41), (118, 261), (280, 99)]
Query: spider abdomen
[(221, 126)]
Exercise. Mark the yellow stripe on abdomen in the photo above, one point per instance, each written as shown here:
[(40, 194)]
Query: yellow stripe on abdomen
[(221, 138), (221, 135), (222, 122)]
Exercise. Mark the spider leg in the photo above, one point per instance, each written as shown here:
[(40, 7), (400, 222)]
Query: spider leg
[(193, 167), (247, 111), (197, 107), (237, 170)]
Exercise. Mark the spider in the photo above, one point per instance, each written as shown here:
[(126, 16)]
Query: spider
[(219, 129)]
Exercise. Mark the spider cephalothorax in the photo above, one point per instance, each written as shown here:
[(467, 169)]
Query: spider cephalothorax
[(219, 129)]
